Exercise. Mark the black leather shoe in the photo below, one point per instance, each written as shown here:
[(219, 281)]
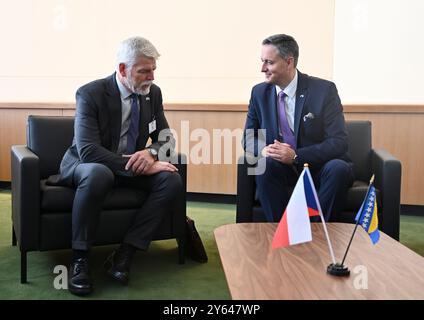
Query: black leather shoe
[(118, 264), (79, 280)]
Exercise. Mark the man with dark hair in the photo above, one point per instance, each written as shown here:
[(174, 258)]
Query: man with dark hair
[(304, 123), (115, 117)]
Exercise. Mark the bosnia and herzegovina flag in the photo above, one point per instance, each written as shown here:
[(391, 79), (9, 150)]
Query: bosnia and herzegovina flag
[(367, 215), (295, 226)]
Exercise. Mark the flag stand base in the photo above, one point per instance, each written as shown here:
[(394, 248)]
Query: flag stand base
[(338, 270)]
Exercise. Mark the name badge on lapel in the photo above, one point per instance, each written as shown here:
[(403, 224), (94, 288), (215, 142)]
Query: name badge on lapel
[(152, 126)]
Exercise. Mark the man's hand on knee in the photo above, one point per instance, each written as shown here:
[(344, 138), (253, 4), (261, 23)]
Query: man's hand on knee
[(159, 166), (139, 162)]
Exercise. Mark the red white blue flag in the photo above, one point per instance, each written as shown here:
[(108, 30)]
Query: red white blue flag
[(295, 226)]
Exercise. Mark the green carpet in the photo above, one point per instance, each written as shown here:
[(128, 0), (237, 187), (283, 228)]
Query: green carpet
[(155, 274), (412, 233)]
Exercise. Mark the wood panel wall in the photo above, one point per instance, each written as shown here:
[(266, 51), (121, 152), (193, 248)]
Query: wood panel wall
[(396, 128), (399, 130)]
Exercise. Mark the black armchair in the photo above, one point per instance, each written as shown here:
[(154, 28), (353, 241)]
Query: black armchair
[(367, 161), (41, 214)]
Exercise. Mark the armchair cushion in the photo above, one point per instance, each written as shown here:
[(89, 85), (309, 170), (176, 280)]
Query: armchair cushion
[(60, 199), (356, 194)]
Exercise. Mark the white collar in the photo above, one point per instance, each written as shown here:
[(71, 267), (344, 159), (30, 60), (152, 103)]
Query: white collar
[(125, 93), (290, 90)]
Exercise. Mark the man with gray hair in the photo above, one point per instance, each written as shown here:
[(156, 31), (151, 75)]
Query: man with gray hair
[(304, 123), (114, 119)]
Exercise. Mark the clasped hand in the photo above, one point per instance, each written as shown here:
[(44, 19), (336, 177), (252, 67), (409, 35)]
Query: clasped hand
[(279, 151), (142, 163)]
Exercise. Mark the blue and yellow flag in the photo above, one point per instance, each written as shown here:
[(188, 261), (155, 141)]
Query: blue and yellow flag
[(367, 215)]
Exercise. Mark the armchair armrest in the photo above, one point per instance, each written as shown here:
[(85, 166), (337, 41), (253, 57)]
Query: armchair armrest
[(181, 164), (180, 161), (245, 191), (387, 170), (25, 197)]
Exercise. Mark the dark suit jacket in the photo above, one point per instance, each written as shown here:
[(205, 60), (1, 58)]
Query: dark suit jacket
[(319, 138), (98, 126)]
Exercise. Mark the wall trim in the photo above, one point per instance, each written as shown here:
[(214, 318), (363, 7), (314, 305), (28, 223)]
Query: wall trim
[(37, 105), (226, 107), (383, 108)]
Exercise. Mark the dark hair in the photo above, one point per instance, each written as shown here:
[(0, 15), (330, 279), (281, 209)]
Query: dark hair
[(285, 44)]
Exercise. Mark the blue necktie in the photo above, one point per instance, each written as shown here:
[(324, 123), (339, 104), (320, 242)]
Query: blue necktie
[(285, 131), (133, 129)]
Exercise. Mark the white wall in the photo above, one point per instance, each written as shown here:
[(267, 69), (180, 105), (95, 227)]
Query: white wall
[(379, 50), (210, 48)]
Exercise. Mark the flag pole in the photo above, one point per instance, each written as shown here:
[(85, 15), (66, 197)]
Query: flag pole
[(357, 222), (339, 269), (306, 166)]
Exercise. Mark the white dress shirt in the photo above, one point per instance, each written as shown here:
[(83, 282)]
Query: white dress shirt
[(126, 115), (290, 99)]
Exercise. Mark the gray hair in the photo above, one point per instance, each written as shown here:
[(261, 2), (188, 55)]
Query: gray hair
[(285, 44), (132, 48)]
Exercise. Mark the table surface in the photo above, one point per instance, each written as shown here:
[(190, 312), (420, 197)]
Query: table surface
[(387, 270)]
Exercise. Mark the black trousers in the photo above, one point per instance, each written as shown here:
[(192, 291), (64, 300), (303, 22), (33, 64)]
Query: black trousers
[(94, 181)]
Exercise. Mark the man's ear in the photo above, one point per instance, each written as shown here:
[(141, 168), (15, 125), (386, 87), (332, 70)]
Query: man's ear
[(122, 69), (290, 61)]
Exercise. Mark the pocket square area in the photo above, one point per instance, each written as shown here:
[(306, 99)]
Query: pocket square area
[(310, 115)]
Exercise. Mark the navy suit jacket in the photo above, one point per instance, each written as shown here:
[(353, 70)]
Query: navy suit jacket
[(320, 137), (98, 127)]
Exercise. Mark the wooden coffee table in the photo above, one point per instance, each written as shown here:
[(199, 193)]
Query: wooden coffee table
[(254, 270)]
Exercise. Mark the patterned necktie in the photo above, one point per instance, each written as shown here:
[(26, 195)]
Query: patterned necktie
[(285, 131), (133, 129)]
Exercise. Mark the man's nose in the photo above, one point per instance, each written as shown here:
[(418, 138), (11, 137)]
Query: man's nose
[(151, 76)]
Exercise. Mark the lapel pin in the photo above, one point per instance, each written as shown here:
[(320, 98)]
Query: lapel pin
[(301, 96)]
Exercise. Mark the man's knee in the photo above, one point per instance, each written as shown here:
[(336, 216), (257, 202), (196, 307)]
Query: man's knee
[(339, 170), (271, 166), (171, 181), (95, 176), (274, 170)]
